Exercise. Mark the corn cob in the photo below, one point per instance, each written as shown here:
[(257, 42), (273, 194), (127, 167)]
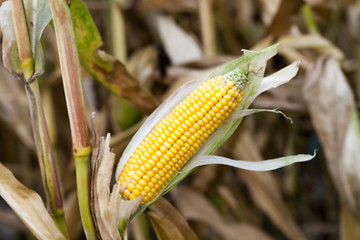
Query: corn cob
[(180, 134)]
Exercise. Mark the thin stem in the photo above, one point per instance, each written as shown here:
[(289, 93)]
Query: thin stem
[(22, 38), (70, 69), (46, 157), (207, 27)]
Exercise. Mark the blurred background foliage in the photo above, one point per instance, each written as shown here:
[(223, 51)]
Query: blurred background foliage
[(165, 43)]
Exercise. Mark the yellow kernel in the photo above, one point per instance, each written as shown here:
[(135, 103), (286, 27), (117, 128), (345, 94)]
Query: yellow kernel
[(136, 193), (142, 183), (126, 193)]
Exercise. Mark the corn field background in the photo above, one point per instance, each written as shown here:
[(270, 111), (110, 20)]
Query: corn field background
[(161, 44)]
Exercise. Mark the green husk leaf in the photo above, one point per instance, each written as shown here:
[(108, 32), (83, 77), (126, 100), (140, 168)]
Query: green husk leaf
[(244, 61)]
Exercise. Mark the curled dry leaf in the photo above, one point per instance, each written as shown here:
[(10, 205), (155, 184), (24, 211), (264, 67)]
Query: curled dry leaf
[(169, 223), (196, 207), (28, 205), (332, 109)]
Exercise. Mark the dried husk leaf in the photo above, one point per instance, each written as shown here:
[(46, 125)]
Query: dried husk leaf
[(168, 223), (28, 205), (196, 207), (108, 208), (105, 217), (332, 109)]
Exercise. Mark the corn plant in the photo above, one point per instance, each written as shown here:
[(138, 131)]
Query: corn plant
[(179, 136)]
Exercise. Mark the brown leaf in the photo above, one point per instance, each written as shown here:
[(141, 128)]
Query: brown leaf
[(196, 207), (28, 206), (333, 113), (168, 222)]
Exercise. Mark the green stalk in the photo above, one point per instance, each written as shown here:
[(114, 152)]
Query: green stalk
[(82, 182), (42, 140), (70, 69)]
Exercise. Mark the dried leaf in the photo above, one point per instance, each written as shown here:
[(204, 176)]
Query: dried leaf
[(168, 223), (179, 45), (333, 113), (28, 206), (196, 207)]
